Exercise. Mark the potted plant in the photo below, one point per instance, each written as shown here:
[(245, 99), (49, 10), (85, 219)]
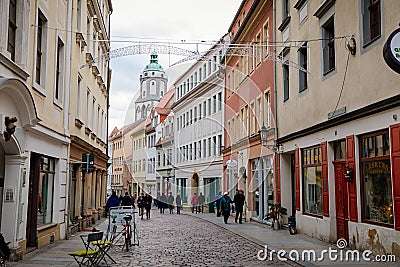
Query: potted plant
[(275, 214)]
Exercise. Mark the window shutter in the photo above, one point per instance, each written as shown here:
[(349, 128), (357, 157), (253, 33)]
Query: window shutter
[(278, 177), (395, 150), (297, 174), (350, 162), (325, 185)]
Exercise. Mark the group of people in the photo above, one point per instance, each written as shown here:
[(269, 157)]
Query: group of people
[(224, 207), (144, 202), (167, 202), (198, 203), (114, 201)]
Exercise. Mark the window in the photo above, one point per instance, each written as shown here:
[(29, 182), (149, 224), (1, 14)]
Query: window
[(268, 108), (209, 106), (259, 49), (209, 147), (285, 9), (79, 98), (78, 15), (219, 101), (46, 190), (285, 72), (88, 108), (214, 146), (59, 70), (204, 148), (93, 113), (12, 28), (195, 114), (339, 149), (371, 16), (251, 57), (328, 46), (266, 40), (312, 180), (303, 63), (40, 47), (220, 144), (376, 179), (214, 104)]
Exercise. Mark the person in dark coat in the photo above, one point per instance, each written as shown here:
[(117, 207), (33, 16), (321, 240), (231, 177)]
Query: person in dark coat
[(218, 203), (171, 203), (141, 205), (148, 200), (127, 200), (162, 203), (226, 206), (113, 201), (201, 199), (239, 200), (178, 201)]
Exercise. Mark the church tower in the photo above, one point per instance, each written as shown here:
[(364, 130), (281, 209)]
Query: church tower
[(153, 85)]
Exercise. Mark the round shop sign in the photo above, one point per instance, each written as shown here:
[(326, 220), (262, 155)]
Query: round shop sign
[(391, 51)]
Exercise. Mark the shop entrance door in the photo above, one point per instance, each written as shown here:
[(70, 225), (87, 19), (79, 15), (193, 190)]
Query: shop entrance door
[(342, 208)]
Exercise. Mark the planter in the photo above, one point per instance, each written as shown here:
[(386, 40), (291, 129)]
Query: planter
[(276, 225)]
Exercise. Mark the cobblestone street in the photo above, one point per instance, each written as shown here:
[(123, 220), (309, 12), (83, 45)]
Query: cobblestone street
[(183, 240)]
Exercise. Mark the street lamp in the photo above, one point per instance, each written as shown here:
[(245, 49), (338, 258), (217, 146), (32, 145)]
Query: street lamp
[(264, 139)]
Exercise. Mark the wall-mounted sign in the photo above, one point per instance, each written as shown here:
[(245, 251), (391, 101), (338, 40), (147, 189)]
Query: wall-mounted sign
[(391, 51)]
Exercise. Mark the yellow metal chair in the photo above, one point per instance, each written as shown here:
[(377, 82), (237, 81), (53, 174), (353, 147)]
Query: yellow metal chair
[(105, 245), (88, 256)]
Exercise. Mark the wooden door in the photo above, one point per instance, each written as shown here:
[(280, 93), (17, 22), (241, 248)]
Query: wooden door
[(342, 217)]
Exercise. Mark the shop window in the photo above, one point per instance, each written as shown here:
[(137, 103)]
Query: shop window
[(46, 190), (376, 178), (312, 181)]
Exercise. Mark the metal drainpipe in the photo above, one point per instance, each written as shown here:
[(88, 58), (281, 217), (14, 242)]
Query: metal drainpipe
[(275, 87), (66, 107)]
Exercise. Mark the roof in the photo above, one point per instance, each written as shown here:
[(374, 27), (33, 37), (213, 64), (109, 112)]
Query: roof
[(153, 63), (124, 129), (165, 101)]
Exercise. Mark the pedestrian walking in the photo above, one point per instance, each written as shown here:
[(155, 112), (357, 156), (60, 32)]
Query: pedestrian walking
[(141, 204), (178, 201), (127, 200), (147, 205), (170, 201), (217, 203), (239, 200), (195, 202), (226, 206), (112, 201), (162, 203), (201, 200)]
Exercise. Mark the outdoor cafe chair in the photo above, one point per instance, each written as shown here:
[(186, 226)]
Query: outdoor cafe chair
[(105, 245), (88, 256)]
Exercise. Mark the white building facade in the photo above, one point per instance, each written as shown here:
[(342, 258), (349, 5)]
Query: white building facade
[(198, 128)]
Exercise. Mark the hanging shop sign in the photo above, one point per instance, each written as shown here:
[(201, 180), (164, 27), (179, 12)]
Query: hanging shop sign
[(391, 51)]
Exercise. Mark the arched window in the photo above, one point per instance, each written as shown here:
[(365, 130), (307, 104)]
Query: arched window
[(137, 112), (143, 111), (153, 87)]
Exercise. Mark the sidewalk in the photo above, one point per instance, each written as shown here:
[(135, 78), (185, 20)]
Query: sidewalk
[(57, 253), (281, 240)]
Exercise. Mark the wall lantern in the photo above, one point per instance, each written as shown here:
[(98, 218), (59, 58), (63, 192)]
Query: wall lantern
[(348, 175), (351, 45)]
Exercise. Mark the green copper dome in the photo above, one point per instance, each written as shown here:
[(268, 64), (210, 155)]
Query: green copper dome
[(153, 63)]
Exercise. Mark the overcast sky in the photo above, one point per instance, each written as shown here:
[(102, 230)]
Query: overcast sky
[(161, 21)]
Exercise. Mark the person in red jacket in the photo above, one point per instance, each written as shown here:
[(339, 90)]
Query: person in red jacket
[(195, 203)]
